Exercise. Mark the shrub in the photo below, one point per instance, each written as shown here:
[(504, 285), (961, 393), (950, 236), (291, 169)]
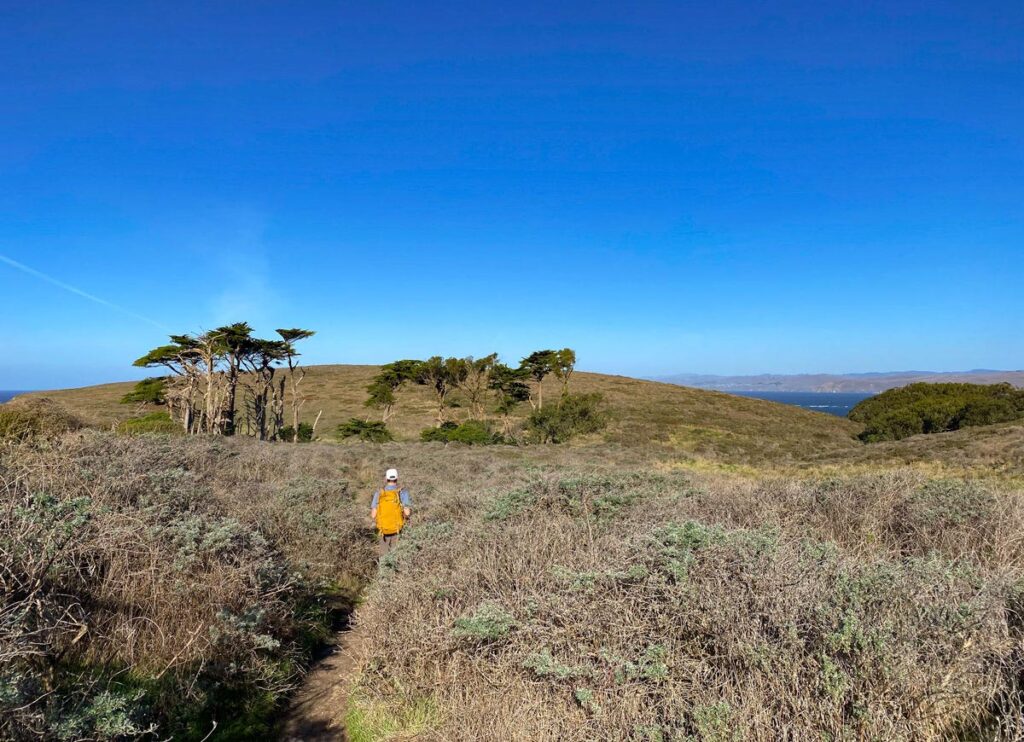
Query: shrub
[(473, 432), (33, 418), (147, 391), (544, 665), (439, 433), (489, 623), (510, 504), (154, 422), (575, 414), (936, 408), (287, 433), (214, 615), (364, 430)]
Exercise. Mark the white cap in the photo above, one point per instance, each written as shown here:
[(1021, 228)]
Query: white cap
[(391, 475)]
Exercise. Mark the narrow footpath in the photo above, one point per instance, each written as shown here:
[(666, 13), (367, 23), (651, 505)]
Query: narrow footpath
[(317, 713)]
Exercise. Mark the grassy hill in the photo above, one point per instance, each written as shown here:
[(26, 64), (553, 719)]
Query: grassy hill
[(542, 592), (644, 413), (710, 567), (989, 450)]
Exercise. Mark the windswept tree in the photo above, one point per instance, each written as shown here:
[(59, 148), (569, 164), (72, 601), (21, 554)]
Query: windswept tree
[(207, 369), (148, 391), (477, 381), (236, 342), (184, 361), (563, 364), (511, 389), (258, 364), (387, 382), (295, 373), (214, 383), (538, 365), (442, 375)]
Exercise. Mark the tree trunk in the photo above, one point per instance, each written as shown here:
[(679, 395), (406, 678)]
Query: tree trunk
[(295, 403), (209, 412), (229, 406), (278, 404), (296, 378)]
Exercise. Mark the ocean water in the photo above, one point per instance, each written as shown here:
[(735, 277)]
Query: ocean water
[(5, 395), (834, 403)]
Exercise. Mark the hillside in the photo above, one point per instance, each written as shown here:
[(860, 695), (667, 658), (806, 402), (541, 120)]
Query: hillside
[(744, 570), (714, 604), (867, 382), (989, 450), (679, 419)]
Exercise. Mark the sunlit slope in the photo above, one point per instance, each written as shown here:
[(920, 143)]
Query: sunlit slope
[(644, 413), (986, 449)]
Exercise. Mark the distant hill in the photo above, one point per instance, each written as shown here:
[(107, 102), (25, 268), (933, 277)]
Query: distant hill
[(644, 413), (865, 382)]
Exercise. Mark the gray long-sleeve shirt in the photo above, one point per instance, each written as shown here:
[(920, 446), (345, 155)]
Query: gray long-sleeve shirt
[(403, 496)]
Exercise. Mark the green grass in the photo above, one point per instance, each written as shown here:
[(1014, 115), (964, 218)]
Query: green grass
[(151, 422), (367, 721)]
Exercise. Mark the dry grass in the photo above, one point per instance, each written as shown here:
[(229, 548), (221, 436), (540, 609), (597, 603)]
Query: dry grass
[(991, 450), (33, 418), (629, 606), (165, 582), (711, 568), (685, 421)]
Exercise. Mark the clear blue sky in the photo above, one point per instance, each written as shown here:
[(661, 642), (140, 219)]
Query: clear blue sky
[(725, 187)]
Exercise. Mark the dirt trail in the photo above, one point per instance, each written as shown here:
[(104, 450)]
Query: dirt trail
[(317, 713)]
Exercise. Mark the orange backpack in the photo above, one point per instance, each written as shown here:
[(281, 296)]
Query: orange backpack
[(390, 518)]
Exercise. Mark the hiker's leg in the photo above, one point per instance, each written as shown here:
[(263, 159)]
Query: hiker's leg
[(387, 543)]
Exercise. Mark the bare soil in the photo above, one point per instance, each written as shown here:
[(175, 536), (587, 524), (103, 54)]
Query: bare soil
[(317, 713)]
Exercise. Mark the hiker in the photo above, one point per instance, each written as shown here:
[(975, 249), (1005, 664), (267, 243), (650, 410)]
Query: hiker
[(389, 510)]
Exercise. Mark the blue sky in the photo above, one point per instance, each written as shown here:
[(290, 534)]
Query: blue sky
[(710, 187)]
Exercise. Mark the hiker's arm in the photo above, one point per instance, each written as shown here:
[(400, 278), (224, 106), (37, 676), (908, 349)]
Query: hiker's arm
[(373, 505), (406, 502)]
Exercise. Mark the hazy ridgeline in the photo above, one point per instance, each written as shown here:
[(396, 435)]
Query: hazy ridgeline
[(706, 568)]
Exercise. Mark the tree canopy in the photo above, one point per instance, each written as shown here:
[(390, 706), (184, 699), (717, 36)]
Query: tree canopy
[(936, 408), (207, 371)]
